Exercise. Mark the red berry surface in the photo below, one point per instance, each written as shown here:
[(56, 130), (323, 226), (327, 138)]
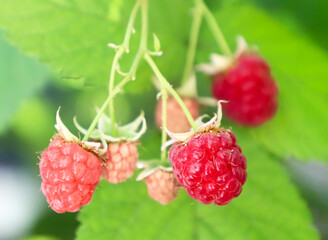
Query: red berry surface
[(176, 119), (210, 166), (162, 186), (250, 89), (69, 175), (120, 161)]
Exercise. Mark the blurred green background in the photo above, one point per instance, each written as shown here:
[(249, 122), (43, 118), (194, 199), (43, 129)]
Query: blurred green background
[(30, 94)]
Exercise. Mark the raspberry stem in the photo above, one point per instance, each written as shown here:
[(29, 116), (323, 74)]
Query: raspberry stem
[(170, 89), (103, 107), (217, 33), (164, 120), (193, 38), (132, 72), (143, 45), (119, 52)]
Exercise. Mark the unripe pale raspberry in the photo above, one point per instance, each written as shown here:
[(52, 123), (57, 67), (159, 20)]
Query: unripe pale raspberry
[(162, 186), (120, 161), (210, 166), (176, 119), (249, 88), (69, 175)]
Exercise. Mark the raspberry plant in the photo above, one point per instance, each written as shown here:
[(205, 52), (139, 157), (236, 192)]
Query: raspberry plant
[(269, 206)]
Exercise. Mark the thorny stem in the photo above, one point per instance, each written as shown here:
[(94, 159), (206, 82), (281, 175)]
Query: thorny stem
[(119, 52), (170, 89), (193, 38), (217, 33)]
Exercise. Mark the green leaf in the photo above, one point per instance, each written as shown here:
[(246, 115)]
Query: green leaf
[(268, 208), (309, 14), (72, 36), (20, 78), (300, 67)]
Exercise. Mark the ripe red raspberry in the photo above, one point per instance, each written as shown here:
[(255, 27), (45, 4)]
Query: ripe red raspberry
[(162, 186), (177, 121), (210, 166), (120, 161), (250, 90), (69, 175)]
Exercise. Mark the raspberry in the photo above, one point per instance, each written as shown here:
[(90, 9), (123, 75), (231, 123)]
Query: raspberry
[(210, 166), (250, 90), (120, 161), (177, 120), (69, 175), (162, 186)]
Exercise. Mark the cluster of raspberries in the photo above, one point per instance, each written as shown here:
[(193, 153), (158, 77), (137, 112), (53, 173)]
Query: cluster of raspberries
[(209, 164)]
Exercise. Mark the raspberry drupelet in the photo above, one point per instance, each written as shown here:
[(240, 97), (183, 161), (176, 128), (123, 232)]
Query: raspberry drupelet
[(120, 161)]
